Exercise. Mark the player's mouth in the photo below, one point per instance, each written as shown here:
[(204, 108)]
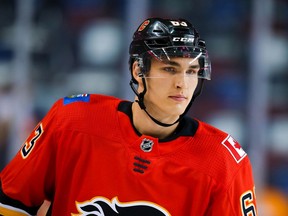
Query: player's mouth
[(178, 98)]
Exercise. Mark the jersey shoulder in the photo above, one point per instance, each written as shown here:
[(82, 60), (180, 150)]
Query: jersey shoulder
[(87, 104), (223, 155), (87, 99), (80, 112), (221, 142)]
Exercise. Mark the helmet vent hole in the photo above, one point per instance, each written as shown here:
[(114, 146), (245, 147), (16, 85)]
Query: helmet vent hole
[(181, 30), (158, 31), (157, 43)]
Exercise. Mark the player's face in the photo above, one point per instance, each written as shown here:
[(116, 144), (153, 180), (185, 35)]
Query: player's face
[(170, 86)]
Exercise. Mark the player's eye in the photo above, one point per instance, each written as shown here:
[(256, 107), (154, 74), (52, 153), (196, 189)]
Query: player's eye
[(170, 69), (193, 70)]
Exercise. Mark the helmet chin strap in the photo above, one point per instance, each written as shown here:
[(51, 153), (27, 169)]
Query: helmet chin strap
[(140, 101)]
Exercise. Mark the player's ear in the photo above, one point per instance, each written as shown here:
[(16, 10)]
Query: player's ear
[(136, 72)]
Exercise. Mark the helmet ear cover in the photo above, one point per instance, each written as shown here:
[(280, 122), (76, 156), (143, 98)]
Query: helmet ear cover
[(144, 64)]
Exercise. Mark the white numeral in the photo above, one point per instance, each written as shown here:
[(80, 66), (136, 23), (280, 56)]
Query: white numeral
[(176, 23)]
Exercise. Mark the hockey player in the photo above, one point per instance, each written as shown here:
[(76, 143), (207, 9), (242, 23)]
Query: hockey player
[(99, 155)]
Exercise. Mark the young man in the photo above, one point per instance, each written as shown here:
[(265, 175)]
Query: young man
[(99, 155)]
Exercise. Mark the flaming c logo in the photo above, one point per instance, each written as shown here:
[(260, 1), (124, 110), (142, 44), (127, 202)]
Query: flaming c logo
[(144, 25), (101, 206)]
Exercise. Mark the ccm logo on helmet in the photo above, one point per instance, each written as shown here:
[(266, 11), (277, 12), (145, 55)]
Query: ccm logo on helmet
[(183, 39)]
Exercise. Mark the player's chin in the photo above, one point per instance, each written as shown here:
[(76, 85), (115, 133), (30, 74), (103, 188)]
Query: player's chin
[(178, 110)]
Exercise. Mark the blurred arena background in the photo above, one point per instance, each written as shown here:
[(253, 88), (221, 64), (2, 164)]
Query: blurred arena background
[(53, 48)]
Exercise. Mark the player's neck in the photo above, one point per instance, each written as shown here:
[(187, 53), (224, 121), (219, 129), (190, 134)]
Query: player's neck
[(147, 126)]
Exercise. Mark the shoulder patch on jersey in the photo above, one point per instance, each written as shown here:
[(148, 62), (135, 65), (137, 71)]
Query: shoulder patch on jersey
[(234, 148), (77, 98)]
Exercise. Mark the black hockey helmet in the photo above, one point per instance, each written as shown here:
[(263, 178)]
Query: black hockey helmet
[(164, 39), (177, 37)]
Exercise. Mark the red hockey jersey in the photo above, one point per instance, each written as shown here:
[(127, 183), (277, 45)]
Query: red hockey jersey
[(86, 157)]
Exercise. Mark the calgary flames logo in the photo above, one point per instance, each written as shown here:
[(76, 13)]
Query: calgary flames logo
[(101, 206), (144, 25)]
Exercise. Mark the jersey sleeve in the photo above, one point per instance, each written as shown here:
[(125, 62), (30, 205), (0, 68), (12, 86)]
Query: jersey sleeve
[(239, 198), (28, 179)]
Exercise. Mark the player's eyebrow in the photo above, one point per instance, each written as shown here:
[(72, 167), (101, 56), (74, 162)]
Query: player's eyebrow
[(174, 63)]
